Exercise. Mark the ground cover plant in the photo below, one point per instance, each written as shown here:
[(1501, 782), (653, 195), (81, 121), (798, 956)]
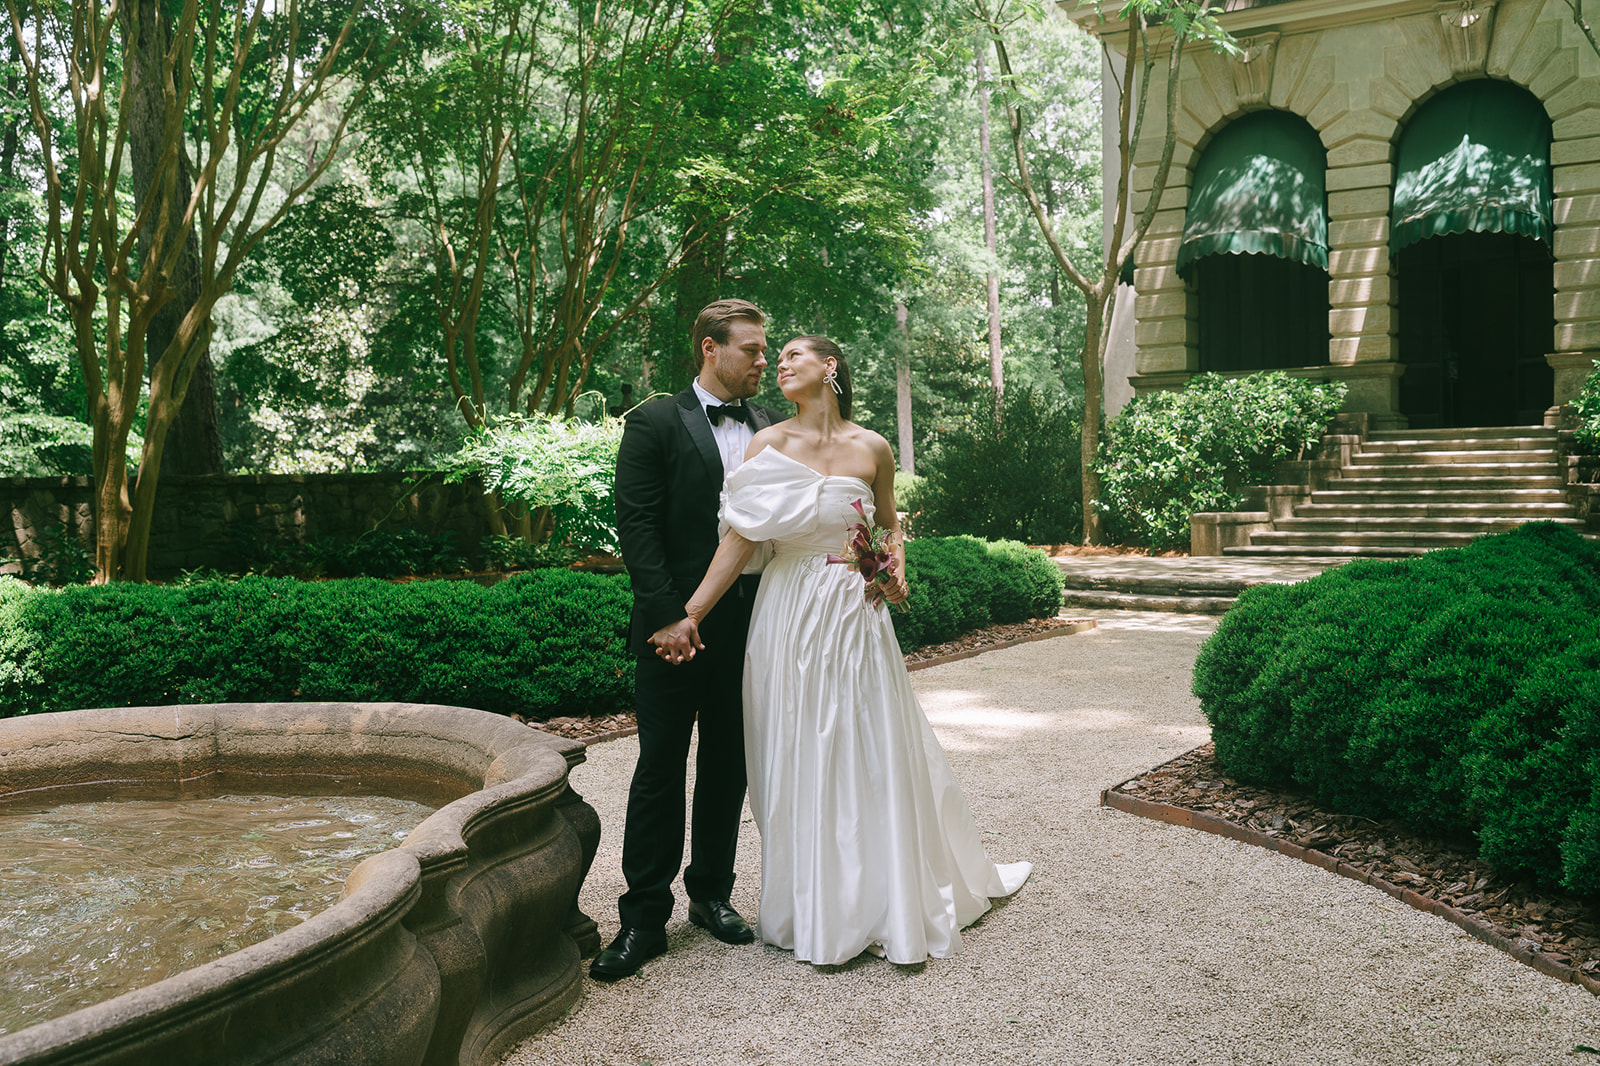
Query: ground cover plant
[(1172, 454), (1458, 692)]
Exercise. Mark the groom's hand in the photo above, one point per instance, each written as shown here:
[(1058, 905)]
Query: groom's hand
[(677, 642)]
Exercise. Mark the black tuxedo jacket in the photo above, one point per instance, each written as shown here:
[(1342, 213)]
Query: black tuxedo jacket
[(667, 490)]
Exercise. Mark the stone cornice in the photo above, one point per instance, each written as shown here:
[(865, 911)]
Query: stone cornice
[(1293, 16)]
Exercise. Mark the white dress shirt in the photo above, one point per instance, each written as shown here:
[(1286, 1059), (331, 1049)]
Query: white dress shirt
[(733, 437)]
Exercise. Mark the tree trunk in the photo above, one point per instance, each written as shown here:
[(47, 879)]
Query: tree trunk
[(699, 283), (1094, 328), (902, 389), (1057, 334), (196, 445), (8, 151), (990, 239)]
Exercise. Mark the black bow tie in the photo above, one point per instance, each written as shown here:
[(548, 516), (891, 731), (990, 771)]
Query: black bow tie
[(717, 412)]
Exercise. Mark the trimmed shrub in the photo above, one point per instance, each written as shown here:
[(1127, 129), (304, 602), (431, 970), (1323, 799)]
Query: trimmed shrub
[(543, 643), (962, 583), (1171, 454), (1587, 406), (1015, 477), (1458, 691)]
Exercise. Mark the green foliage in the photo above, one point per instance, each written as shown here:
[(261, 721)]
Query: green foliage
[(1587, 406), (1172, 454), (1009, 477), (402, 552), (514, 553), (552, 642), (962, 583), (307, 385), (907, 488), (1458, 691), (565, 464), (43, 428), (63, 560)]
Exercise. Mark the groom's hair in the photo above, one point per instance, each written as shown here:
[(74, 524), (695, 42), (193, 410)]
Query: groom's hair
[(823, 348), (716, 320)]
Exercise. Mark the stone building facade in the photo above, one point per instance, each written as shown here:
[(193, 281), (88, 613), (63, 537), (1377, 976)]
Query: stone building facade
[(1460, 284)]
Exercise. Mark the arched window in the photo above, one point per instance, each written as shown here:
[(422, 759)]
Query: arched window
[(1470, 238), (1255, 243)]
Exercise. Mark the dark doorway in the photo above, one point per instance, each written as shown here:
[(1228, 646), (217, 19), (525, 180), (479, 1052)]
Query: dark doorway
[(1261, 312), (1476, 319)]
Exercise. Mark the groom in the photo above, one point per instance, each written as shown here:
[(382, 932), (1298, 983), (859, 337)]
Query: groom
[(670, 467)]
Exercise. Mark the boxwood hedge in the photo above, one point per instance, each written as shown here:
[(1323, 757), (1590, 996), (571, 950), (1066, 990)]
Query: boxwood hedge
[(962, 583), (539, 644), (1458, 691), (551, 641)]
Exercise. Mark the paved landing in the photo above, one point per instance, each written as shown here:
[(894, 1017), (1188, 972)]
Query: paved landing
[(1108, 570)]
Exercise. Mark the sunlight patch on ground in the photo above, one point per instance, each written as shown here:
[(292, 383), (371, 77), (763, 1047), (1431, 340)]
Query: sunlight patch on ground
[(1145, 621)]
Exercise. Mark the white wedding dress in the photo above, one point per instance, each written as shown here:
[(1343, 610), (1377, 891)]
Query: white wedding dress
[(866, 841)]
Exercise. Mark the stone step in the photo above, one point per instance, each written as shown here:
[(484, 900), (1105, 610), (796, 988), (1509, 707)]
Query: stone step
[(1526, 512), (1451, 471), (1155, 584), (1401, 538), (1475, 483), (1323, 551), (1136, 601), (1439, 497), (1543, 457), (1475, 433), (1462, 444), (1468, 527)]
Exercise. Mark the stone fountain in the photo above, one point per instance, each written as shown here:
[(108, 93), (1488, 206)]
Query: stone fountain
[(448, 948)]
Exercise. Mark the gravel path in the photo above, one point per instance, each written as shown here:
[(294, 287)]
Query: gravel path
[(1134, 942)]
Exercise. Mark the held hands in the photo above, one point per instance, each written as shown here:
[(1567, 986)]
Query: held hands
[(678, 642)]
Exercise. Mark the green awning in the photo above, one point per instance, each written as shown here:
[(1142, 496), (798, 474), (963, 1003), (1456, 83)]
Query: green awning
[(1259, 187), (1475, 159)]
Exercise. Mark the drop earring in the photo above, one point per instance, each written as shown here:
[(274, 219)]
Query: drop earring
[(832, 378)]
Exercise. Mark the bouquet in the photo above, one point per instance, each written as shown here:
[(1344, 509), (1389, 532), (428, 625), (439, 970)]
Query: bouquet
[(867, 550)]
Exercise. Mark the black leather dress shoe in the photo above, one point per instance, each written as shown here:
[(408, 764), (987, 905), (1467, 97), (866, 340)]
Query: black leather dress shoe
[(631, 950), (721, 920)]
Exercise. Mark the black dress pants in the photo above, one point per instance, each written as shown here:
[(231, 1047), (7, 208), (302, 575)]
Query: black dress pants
[(669, 700)]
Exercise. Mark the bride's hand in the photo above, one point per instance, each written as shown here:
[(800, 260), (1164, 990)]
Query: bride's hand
[(895, 590)]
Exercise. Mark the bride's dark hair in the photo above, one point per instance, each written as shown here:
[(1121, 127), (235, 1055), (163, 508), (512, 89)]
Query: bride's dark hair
[(823, 348)]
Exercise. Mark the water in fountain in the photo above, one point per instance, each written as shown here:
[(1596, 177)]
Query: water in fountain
[(100, 898)]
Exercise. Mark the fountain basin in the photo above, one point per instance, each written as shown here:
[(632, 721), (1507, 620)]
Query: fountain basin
[(446, 949)]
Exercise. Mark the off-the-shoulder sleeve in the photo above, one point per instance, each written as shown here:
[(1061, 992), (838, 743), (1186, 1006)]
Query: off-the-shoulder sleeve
[(771, 497)]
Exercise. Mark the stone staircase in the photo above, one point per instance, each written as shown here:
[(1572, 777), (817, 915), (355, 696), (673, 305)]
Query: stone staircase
[(1404, 492)]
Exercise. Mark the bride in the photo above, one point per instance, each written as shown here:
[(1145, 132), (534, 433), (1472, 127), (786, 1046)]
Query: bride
[(866, 841)]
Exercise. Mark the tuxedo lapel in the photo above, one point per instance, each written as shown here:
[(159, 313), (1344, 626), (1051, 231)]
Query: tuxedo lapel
[(699, 427), (760, 417)]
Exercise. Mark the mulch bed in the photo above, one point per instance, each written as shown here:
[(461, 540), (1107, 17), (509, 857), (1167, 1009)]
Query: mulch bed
[(1530, 923), (605, 727)]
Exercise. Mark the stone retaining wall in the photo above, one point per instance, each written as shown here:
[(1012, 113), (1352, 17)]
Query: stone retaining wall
[(198, 518)]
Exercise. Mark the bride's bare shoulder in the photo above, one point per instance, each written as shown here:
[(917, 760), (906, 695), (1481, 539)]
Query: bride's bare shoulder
[(774, 434), (873, 442)]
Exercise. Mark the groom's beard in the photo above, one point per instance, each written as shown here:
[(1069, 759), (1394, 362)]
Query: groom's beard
[(739, 383)]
